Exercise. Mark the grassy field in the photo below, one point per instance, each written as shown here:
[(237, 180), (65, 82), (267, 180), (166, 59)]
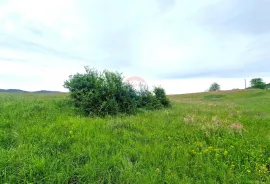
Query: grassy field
[(219, 137)]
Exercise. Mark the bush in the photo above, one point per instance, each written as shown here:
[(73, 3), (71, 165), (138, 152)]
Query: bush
[(147, 100), (104, 93), (101, 93), (161, 96)]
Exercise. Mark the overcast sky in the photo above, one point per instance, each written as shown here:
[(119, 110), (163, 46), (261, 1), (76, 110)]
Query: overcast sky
[(183, 45)]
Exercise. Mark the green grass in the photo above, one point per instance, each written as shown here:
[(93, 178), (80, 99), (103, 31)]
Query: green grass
[(43, 140)]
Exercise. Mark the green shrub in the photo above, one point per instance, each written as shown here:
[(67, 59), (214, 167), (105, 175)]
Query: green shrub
[(101, 93), (105, 93), (147, 100), (160, 94)]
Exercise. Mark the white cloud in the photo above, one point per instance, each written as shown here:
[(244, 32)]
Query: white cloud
[(167, 41)]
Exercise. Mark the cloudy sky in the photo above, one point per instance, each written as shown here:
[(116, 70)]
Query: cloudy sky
[(183, 45)]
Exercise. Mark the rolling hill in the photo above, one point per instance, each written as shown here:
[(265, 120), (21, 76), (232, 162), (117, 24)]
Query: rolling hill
[(22, 91)]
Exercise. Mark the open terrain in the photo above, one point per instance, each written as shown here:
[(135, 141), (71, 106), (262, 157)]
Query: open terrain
[(220, 137)]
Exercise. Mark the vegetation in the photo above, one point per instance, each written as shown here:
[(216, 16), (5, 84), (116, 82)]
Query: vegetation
[(258, 83), (214, 87), (105, 93), (199, 140), (161, 96), (211, 97)]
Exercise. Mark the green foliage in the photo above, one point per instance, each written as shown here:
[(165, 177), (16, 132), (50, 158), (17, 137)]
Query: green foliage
[(160, 94), (148, 101), (214, 87), (43, 140), (105, 93), (101, 93), (257, 83)]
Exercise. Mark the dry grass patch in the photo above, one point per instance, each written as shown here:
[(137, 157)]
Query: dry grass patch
[(237, 127)]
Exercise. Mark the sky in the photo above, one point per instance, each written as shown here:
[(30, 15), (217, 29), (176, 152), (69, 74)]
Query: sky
[(182, 45)]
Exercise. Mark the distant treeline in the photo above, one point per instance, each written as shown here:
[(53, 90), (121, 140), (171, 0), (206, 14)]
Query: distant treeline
[(22, 91)]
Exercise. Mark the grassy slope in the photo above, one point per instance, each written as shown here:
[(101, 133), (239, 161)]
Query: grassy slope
[(42, 140)]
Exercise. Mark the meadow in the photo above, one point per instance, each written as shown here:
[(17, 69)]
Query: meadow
[(219, 137)]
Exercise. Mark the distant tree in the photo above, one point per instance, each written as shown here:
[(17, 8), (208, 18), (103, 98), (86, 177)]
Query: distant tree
[(267, 86), (214, 87), (257, 83)]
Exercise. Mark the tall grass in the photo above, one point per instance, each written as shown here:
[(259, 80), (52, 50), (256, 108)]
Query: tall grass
[(43, 140)]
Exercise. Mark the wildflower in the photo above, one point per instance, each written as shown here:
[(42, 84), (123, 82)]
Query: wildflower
[(248, 171), (44, 140), (157, 170)]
